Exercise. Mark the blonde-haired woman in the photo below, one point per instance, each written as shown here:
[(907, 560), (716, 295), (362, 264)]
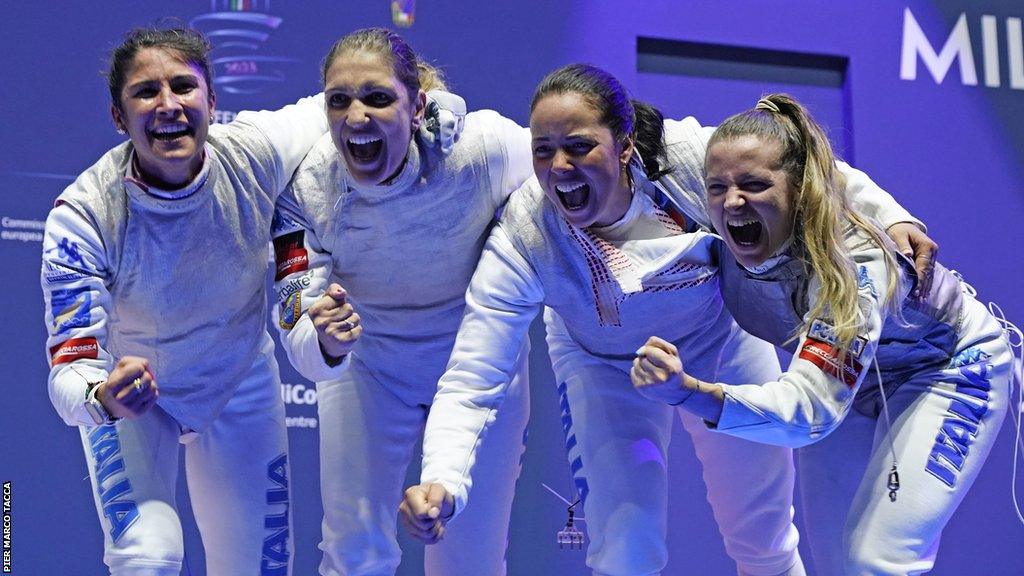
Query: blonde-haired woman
[(825, 283), (376, 238)]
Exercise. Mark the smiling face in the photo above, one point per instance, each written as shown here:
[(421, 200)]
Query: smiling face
[(578, 161), (372, 115), (751, 201), (165, 106)]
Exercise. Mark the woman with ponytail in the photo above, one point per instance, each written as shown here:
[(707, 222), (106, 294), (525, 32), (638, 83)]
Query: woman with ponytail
[(609, 238), (804, 271)]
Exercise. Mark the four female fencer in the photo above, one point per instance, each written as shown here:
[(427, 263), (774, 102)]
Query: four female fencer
[(376, 241)]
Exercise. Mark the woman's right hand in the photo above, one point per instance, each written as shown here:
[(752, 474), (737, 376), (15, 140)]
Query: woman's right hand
[(425, 511), (131, 389), (337, 324), (657, 373)]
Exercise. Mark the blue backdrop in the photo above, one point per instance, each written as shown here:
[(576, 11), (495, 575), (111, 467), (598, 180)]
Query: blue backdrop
[(927, 97)]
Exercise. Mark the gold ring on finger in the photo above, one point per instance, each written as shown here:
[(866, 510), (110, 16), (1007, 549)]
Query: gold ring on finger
[(137, 383)]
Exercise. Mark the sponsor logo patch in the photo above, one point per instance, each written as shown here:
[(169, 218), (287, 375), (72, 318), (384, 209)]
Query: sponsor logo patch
[(281, 223), (825, 357), (70, 309), (290, 254), (56, 273), (291, 309), (972, 355), (864, 282), (74, 349), (70, 252), (822, 330), (295, 285)]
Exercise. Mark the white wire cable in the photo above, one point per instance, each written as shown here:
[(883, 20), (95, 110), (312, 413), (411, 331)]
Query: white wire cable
[(894, 478), (563, 499), (1015, 338)]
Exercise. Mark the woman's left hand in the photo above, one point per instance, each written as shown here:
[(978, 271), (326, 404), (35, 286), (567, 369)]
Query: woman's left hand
[(657, 372), (919, 247), (445, 117)]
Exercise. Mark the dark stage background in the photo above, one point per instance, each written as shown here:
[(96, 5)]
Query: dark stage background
[(927, 97)]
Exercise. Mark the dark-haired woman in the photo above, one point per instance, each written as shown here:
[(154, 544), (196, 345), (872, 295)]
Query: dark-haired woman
[(152, 343), (154, 274), (608, 238), (832, 289), (377, 238)]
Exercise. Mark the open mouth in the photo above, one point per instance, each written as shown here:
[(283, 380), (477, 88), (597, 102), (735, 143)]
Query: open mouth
[(170, 132), (573, 196), (745, 232), (364, 148)]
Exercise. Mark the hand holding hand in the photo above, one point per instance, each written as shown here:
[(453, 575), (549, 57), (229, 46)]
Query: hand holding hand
[(131, 389), (425, 511), (916, 245), (337, 324)]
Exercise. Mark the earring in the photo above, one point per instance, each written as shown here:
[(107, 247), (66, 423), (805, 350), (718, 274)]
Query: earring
[(121, 131)]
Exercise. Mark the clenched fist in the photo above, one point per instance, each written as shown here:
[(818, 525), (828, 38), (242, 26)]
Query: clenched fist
[(657, 372), (130, 390), (337, 324), (425, 511)]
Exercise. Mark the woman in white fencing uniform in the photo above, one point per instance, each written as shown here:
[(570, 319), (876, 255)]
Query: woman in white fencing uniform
[(613, 247), (890, 452), (376, 239), (152, 341)]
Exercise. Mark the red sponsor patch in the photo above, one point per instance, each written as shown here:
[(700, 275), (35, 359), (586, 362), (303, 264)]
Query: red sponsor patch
[(74, 349), (824, 356), (290, 254)]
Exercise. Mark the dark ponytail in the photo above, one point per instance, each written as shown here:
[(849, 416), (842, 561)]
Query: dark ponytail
[(649, 138)]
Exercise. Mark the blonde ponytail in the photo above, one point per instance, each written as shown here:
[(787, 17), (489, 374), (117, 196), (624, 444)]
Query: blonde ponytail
[(823, 213)]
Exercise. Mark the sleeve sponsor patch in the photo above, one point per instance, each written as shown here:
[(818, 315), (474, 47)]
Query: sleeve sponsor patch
[(825, 357), (57, 273), (74, 349), (70, 252), (290, 254), (864, 282), (291, 309), (282, 223), (825, 332), (70, 309)]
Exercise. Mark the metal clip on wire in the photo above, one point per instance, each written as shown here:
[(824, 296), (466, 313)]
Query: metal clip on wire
[(894, 483), (570, 535)]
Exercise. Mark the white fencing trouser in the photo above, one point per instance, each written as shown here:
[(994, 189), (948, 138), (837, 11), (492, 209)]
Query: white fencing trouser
[(367, 436), (617, 444), (852, 526), (237, 474)]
